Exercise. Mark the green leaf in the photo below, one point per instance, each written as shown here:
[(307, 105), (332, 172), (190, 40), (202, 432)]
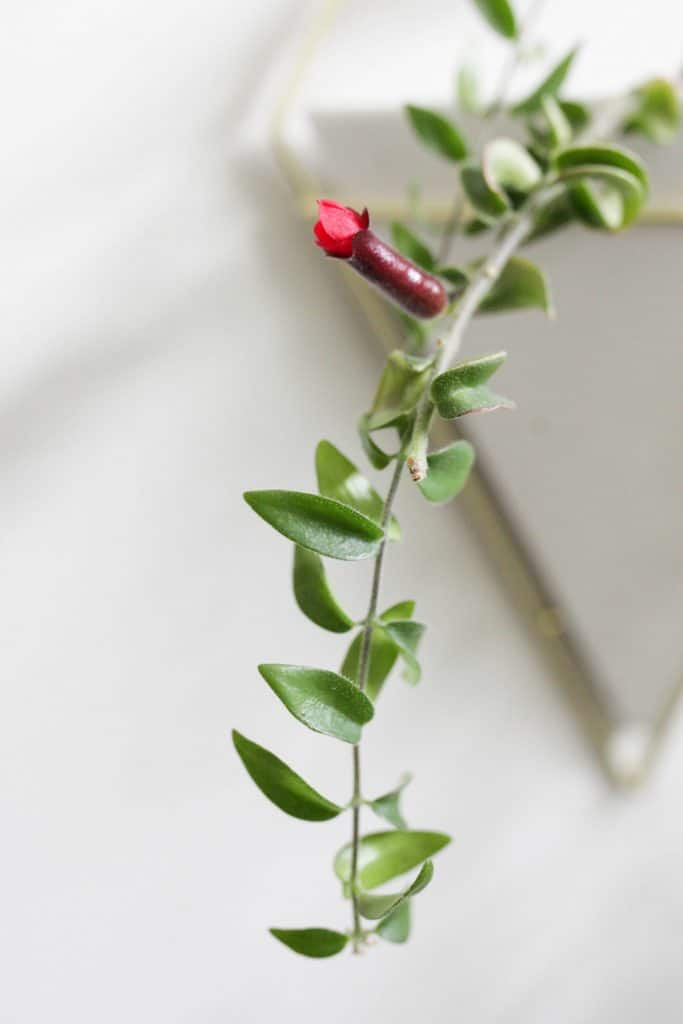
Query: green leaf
[(455, 276), (386, 855), (448, 471), (279, 783), (550, 86), (400, 388), (313, 594), (374, 906), (383, 651), (382, 658), (395, 927), (338, 478), (402, 610), (407, 635), (598, 205), (500, 16), (322, 700), (376, 455), (463, 389), (315, 942), (387, 805), (558, 125), (578, 114), (411, 246), (657, 113), (615, 167), (520, 285), (507, 165), (319, 524), (475, 227), (607, 157), (488, 201), (437, 132)]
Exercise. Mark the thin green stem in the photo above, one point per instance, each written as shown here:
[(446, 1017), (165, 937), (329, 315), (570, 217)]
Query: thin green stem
[(363, 666)]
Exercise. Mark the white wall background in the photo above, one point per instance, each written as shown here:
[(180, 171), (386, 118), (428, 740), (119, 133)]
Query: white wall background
[(171, 337)]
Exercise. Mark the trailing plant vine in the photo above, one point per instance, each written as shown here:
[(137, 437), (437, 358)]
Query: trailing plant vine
[(515, 192)]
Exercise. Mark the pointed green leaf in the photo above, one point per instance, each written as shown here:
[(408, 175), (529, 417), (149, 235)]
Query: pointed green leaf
[(388, 807), (322, 700), (313, 594), (374, 906), (448, 471), (476, 226), (279, 783), (402, 610), (319, 524), (488, 201), (395, 927), (437, 132), (500, 16), (386, 855), (338, 478), (400, 388), (507, 165), (578, 114), (315, 942), (550, 85), (383, 655), (521, 285), (407, 635), (411, 246), (657, 112)]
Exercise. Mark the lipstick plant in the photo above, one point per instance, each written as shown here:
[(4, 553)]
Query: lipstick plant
[(510, 192)]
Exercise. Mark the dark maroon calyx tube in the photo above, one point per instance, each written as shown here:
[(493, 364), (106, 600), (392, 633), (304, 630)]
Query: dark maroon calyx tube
[(411, 288)]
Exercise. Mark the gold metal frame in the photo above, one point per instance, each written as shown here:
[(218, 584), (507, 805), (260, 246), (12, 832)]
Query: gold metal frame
[(532, 597)]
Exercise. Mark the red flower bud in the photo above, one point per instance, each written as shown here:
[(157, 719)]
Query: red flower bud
[(342, 232), (336, 226)]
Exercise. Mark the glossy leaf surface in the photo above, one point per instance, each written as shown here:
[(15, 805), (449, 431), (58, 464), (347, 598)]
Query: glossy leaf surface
[(437, 133), (338, 478), (521, 285), (313, 594), (386, 855), (317, 523), (322, 700), (411, 246), (500, 16), (395, 927), (315, 942), (448, 471), (374, 906), (281, 784), (550, 86)]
